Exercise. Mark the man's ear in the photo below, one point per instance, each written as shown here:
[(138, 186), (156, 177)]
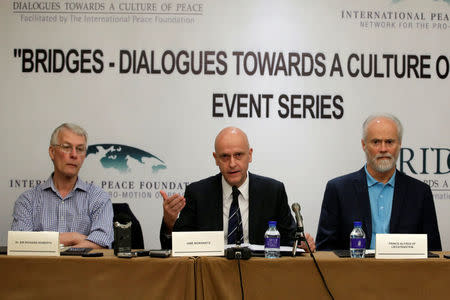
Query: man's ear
[(216, 158), (51, 152)]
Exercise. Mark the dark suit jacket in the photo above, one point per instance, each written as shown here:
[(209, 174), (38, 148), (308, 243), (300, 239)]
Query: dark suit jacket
[(346, 199), (204, 209)]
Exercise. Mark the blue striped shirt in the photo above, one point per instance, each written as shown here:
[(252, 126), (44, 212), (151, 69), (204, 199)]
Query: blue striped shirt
[(87, 209)]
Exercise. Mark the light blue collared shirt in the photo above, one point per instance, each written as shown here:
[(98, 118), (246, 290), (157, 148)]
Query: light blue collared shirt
[(381, 197), (87, 209)]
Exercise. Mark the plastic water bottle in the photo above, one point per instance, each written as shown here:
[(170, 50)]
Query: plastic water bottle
[(357, 241), (272, 241)]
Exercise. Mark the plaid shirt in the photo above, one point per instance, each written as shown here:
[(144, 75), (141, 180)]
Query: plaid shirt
[(87, 209)]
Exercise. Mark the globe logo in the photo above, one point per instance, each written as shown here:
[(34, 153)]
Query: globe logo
[(117, 156)]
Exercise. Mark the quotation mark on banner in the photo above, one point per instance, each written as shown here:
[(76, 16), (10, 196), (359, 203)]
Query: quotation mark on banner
[(17, 52)]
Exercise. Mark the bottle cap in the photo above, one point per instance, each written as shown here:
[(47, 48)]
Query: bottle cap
[(357, 223), (273, 223)]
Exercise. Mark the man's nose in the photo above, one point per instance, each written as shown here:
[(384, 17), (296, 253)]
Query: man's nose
[(73, 152), (232, 161), (383, 147)]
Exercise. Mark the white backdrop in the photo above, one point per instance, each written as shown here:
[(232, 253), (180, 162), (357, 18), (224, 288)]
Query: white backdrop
[(175, 116)]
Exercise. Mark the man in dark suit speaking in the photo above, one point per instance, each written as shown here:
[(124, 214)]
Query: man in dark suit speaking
[(383, 198), (208, 204)]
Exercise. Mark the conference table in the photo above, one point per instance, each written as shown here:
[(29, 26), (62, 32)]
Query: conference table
[(297, 278), (108, 277)]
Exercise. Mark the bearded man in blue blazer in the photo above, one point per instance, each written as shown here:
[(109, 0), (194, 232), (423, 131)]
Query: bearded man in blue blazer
[(383, 198), (206, 203)]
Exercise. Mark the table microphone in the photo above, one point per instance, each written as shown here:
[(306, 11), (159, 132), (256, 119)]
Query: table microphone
[(298, 217), (238, 252), (299, 234)]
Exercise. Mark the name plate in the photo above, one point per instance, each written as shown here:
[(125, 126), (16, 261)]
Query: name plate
[(198, 243), (401, 246), (40, 243)]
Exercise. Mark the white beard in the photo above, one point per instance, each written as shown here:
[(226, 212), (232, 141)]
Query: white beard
[(383, 165)]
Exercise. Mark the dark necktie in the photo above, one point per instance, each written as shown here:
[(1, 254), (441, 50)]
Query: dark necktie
[(235, 232)]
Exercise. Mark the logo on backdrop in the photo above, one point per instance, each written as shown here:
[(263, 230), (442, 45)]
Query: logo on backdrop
[(119, 12), (116, 156), (429, 164), (407, 19), (127, 172)]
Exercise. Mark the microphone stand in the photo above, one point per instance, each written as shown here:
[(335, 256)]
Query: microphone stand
[(299, 236)]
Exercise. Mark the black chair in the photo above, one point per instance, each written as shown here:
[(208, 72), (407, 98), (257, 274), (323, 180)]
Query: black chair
[(137, 239)]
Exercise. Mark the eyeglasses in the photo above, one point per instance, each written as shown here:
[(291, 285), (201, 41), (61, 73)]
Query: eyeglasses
[(67, 148)]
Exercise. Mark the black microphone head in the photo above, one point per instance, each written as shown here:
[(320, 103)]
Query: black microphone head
[(295, 206)]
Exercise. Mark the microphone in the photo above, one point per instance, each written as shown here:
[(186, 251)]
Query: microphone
[(299, 234), (298, 217)]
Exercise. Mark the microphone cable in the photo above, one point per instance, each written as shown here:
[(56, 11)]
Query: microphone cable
[(238, 256), (320, 272), (301, 230)]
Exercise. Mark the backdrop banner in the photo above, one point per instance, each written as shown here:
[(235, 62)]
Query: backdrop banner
[(154, 81)]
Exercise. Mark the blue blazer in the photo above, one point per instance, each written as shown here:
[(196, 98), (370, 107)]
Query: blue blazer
[(346, 199), (204, 209)]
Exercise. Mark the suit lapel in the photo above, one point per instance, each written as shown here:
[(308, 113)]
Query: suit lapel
[(362, 196), (252, 194), (397, 201), (218, 201)]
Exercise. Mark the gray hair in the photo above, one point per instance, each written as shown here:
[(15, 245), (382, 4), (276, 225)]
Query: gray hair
[(382, 115), (70, 126)]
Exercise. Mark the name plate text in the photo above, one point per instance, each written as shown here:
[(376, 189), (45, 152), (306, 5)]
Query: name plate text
[(198, 243), (40, 243), (401, 246)]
